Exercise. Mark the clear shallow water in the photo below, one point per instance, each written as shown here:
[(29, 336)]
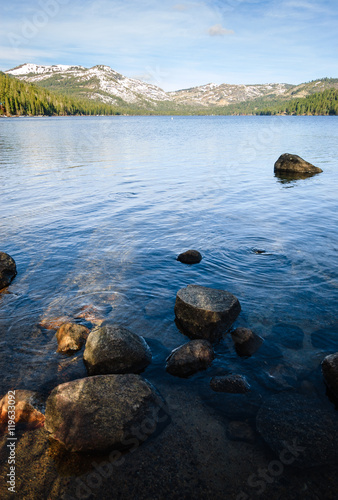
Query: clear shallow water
[(95, 211)]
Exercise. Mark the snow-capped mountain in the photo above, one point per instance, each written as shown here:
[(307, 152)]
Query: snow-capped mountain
[(100, 83), (104, 84), (222, 95)]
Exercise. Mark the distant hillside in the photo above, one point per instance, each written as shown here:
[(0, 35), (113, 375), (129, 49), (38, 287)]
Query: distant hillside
[(320, 103), (19, 98), (102, 83), (101, 91)]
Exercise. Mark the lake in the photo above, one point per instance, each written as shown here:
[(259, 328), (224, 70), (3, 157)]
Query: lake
[(95, 210)]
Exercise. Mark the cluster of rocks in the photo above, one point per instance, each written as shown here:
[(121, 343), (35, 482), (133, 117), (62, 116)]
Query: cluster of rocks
[(115, 407)]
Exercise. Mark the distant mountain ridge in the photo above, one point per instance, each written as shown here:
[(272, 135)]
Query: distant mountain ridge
[(102, 83)]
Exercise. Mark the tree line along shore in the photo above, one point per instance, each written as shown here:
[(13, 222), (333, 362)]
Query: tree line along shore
[(23, 99)]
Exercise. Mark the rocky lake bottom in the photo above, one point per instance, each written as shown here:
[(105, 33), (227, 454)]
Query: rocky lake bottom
[(94, 212)]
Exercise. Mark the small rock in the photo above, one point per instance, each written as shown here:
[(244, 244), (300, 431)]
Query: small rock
[(241, 431), (295, 164), (71, 337), (234, 384), (246, 342), (104, 412), (205, 312), (190, 358), (7, 269), (330, 373), (190, 257), (241, 335), (114, 349), (26, 413), (301, 428)]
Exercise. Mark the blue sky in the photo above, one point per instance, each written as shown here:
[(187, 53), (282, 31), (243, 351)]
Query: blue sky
[(175, 43)]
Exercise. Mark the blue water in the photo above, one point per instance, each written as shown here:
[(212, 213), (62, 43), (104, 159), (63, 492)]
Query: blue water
[(95, 210)]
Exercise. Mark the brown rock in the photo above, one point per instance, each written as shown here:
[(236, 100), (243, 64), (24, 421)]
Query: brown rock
[(26, 415), (205, 312), (104, 412), (71, 337), (295, 164), (7, 269), (190, 358)]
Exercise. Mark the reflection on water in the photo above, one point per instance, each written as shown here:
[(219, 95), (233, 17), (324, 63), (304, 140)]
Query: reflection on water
[(96, 210), (292, 177)]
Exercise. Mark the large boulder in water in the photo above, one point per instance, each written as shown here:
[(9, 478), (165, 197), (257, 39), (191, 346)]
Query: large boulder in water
[(114, 349), (299, 428), (104, 412), (7, 269), (293, 164), (205, 313), (190, 358), (330, 373)]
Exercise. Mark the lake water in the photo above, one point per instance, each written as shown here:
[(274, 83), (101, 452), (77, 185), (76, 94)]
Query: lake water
[(95, 210)]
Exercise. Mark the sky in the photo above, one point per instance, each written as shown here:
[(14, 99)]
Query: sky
[(177, 44)]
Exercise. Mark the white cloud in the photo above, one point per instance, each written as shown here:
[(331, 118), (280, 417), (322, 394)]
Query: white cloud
[(180, 6), (218, 30)]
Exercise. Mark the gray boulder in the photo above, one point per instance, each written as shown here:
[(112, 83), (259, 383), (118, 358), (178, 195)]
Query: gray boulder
[(104, 412), (205, 312), (190, 257), (233, 384), (190, 358), (330, 373), (71, 337), (300, 428), (295, 164), (7, 269), (114, 349)]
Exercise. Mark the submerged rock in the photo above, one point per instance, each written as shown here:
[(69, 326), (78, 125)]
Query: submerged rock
[(114, 349), (190, 358), (330, 373), (26, 404), (205, 312), (300, 429), (104, 412), (71, 337), (295, 164), (190, 257), (233, 384), (53, 323), (246, 342), (93, 314), (7, 269), (241, 431)]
